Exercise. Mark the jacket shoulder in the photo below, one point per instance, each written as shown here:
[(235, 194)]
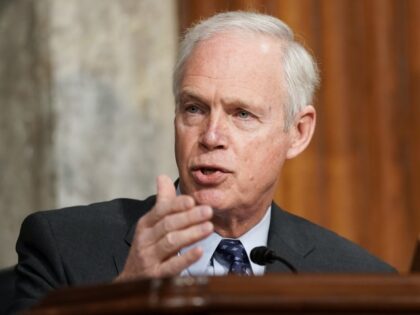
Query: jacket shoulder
[(328, 251), (74, 245), (76, 230), (122, 211)]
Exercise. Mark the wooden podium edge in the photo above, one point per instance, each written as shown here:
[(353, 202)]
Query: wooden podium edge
[(375, 294)]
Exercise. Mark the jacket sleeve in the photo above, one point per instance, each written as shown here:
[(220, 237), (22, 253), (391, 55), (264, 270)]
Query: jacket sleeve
[(40, 267)]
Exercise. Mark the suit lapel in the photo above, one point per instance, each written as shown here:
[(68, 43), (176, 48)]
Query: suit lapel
[(288, 240), (120, 256)]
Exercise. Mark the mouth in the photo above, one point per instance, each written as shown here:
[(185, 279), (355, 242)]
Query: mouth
[(208, 171), (209, 174)]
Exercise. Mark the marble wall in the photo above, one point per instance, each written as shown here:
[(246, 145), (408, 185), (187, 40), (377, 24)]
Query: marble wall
[(86, 107)]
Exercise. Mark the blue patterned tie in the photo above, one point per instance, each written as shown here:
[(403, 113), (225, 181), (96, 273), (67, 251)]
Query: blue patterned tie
[(232, 254)]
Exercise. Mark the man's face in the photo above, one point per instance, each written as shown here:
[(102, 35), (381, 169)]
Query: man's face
[(230, 144)]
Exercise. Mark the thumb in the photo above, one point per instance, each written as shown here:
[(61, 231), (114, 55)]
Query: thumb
[(165, 189)]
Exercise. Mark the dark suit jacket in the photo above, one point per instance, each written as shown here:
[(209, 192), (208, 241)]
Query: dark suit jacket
[(89, 244)]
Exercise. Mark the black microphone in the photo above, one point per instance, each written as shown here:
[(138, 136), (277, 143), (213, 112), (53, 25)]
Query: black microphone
[(262, 255)]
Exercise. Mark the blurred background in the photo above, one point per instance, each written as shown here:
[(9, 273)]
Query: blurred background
[(86, 110)]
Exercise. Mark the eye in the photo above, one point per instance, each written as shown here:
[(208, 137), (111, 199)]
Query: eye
[(192, 109), (243, 114)]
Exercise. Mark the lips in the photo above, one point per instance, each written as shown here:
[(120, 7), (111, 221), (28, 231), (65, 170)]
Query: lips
[(209, 174)]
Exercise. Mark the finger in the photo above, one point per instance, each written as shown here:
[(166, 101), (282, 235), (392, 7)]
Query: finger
[(182, 220), (172, 242), (176, 204), (176, 264), (165, 189), (159, 211)]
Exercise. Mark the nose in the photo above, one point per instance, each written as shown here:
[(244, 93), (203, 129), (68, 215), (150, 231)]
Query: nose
[(215, 132)]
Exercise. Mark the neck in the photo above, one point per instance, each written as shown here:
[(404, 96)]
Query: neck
[(229, 225)]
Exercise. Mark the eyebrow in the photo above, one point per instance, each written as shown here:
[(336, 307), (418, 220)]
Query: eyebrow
[(191, 94), (239, 102)]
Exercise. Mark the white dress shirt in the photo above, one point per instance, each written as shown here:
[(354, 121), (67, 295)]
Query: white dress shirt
[(206, 265)]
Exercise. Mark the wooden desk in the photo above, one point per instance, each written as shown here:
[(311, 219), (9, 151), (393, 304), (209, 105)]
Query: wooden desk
[(279, 294)]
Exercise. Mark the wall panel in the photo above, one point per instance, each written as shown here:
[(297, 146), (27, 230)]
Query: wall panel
[(81, 116), (361, 174)]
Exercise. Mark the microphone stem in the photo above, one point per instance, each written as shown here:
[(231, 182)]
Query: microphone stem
[(284, 261)]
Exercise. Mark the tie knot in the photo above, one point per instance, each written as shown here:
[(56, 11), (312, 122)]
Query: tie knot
[(232, 253)]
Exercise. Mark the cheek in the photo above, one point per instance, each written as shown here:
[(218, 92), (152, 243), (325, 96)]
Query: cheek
[(179, 145), (184, 144), (265, 159), (264, 148)]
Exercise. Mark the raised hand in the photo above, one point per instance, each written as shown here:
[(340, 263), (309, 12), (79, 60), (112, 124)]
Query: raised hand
[(173, 223)]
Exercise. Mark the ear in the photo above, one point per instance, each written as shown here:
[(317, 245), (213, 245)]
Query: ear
[(301, 131)]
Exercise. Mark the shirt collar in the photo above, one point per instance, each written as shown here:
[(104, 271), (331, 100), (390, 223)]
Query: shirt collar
[(257, 236)]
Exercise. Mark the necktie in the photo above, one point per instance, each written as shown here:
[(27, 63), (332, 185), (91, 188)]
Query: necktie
[(232, 254)]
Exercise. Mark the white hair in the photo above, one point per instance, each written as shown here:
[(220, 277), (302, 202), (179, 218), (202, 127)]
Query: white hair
[(300, 70)]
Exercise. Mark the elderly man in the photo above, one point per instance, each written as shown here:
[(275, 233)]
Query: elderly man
[(243, 89)]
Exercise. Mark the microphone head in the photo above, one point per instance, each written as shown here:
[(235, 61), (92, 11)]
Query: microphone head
[(261, 255)]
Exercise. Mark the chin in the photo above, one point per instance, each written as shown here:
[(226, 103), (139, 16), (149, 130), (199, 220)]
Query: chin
[(212, 197)]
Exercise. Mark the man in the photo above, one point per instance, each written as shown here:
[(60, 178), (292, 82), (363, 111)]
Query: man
[(243, 89)]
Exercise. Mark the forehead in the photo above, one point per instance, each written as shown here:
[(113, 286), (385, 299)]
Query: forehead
[(249, 62)]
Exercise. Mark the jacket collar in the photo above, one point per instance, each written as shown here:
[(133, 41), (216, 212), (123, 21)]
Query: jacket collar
[(121, 255), (149, 203), (288, 240)]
